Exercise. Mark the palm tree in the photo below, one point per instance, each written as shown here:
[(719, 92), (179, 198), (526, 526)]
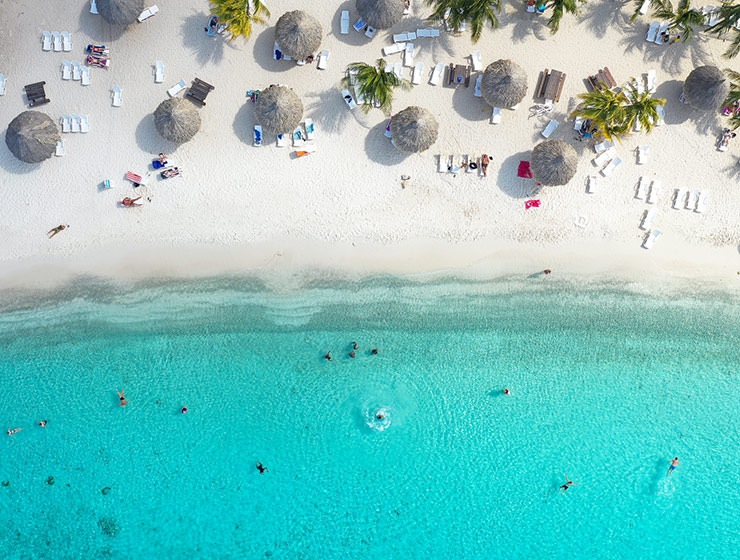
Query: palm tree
[(606, 109), (729, 15), (559, 7), (684, 18), (642, 108), (456, 12), (733, 97), (373, 85), (239, 15)]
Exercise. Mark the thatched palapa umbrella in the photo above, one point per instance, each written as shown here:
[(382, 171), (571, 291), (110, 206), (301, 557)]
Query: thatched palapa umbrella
[(554, 162), (504, 83), (278, 109), (120, 12), (298, 34), (32, 136), (177, 120), (706, 88), (381, 14), (414, 129)]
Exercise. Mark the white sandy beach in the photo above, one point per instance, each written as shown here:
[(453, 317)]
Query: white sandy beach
[(240, 208)]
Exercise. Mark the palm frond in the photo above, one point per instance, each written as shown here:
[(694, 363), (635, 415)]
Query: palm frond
[(240, 15)]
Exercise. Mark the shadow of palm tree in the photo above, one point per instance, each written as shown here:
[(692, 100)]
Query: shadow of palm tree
[(669, 57), (379, 149), (331, 112), (204, 48), (509, 182), (526, 26), (603, 16)]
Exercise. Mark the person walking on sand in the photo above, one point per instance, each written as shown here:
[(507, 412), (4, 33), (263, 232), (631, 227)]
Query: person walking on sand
[(568, 484), (122, 398), (672, 466), (52, 232)]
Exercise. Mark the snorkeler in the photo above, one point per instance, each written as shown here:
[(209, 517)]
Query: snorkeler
[(122, 398), (352, 354), (507, 392), (673, 466), (42, 423), (327, 356), (12, 431), (568, 483), (374, 350), (262, 469), (355, 346), (184, 410)]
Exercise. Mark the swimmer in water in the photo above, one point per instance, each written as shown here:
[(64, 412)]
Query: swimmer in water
[(507, 392), (352, 354), (355, 346), (375, 350), (122, 398), (328, 355), (42, 423), (568, 484), (673, 466), (184, 410), (12, 431), (262, 469), (380, 416)]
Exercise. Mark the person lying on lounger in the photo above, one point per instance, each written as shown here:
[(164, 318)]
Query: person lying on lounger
[(167, 173), (484, 164)]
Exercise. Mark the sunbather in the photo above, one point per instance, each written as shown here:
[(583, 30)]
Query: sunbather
[(130, 202), (167, 173), (484, 161), (52, 232)]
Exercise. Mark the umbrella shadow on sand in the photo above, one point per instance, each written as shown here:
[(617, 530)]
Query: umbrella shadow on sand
[(468, 106), (379, 149), (262, 53), (11, 164), (149, 140), (509, 182), (244, 122), (205, 49), (94, 25)]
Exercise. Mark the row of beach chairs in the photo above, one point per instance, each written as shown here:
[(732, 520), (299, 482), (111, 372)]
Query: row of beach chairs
[(56, 41), (75, 71), (75, 123), (456, 163), (306, 132)]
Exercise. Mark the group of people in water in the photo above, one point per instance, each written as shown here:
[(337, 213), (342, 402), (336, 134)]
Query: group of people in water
[(352, 353)]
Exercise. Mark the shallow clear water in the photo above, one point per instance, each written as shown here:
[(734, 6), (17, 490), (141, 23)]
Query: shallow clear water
[(607, 386)]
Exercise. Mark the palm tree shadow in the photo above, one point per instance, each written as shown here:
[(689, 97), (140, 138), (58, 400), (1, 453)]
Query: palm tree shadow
[(603, 16), (734, 172), (379, 149), (204, 48), (331, 112), (527, 25), (706, 122), (669, 57), (508, 180)]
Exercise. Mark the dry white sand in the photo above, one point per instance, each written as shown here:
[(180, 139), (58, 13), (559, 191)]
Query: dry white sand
[(240, 208)]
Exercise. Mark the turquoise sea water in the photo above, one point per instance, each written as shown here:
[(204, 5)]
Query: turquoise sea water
[(607, 386)]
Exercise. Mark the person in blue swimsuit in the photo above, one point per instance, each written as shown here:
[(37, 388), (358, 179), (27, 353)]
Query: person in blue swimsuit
[(673, 466)]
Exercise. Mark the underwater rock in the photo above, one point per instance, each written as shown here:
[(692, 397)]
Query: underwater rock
[(6, 483), (109, 526)]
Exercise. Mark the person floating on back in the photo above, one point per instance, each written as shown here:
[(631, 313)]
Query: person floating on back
[(507, 392), (568, 484), (122, 398), (12, 431), (672, 466)]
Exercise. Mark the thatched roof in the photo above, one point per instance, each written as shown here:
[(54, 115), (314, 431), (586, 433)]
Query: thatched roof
[(554, 162), (120, 12), (298, 34), (177, 120), (278, 109), (381, 14), (504, 83), (706, 88), (414, 129), (32, 136)]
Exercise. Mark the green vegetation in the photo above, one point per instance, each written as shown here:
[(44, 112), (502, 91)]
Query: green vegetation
[(559, 8), (729, 15), (240, 15), (685, 20), (373, 85), (477, 12)]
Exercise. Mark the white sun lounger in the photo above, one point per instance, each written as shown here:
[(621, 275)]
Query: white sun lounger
[(93, 7), (605, 156), (66, 70), (75, 121), (407, 8), (639, 85), (298, 138), (642, 154), (149, 12), (701, 202), (654, 192), (418, 71), (650, 239), (394, 48), (85, 78), (471, 159), (281, 141), (66, 123), (408, 55), (647, 219), (603, 146), (578, 123), (323, 60), (344, 23), (496, 115), (57, 40), (613, 164), (477, 92), (370, 32), (661, 31), (257, 136), (117, 96), (652, 32), (711, 15), (476, 61), (84, 124), (158, 72), (398, 70), (60, 149), (638, 125), (550, 128), (661, 115), (45, 41), (650, 79), (76, 71), (400, 37), (592, 184), (177, 88), (66, 41), (441, 164), (692, 199), (437, 74), (679, 199), (644, 8), (2, 84), (348, 99), (642, 188), (310, 129)]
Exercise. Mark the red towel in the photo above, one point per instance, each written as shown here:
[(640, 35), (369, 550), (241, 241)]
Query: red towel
[(133, 177), (524, 170), (531, 204)]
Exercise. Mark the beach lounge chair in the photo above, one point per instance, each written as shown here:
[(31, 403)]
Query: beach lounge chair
[(650, 80), (158, 72), (257, 135), (57, 41), (647, 219), (66, 70), (661, 32), (550, 128), (2, 84), (613, 164), (418, 71), (477, 92), (277, 54), (661, 114), (408, 55), (106, 184), (344, 23), (701, 202), (394, 48), (398, 70), (66, 41), (642, 188), (679, 198), (323, 59), (652, 32), (642, 154), (496, 115), (370, 32), (45, 41), (85, 76), (638, 125), (654, 192), (59, 152), (75, 121), (117, 96), (281, 141), (455, 164), (400, 37), (407, 8), (603, 146), (76, 71), (472, 163), (93, 7), (441, 164), (359, 26), (310, 129), (298, 138), (524, 170), (638, 84), (66, 123), (644, 7), (177, 88), (578, 123), (149, 12), (692, 199), (348, 99), (84, 124), (592, 184), (605, 156), (437, 74), (476, 61), (650, 239), (711, 15)]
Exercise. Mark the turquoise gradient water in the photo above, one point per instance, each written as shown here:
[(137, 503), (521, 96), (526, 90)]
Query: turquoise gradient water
[(607, 386)]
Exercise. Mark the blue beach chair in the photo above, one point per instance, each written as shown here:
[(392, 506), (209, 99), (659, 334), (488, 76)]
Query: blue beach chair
[(359, 26)]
